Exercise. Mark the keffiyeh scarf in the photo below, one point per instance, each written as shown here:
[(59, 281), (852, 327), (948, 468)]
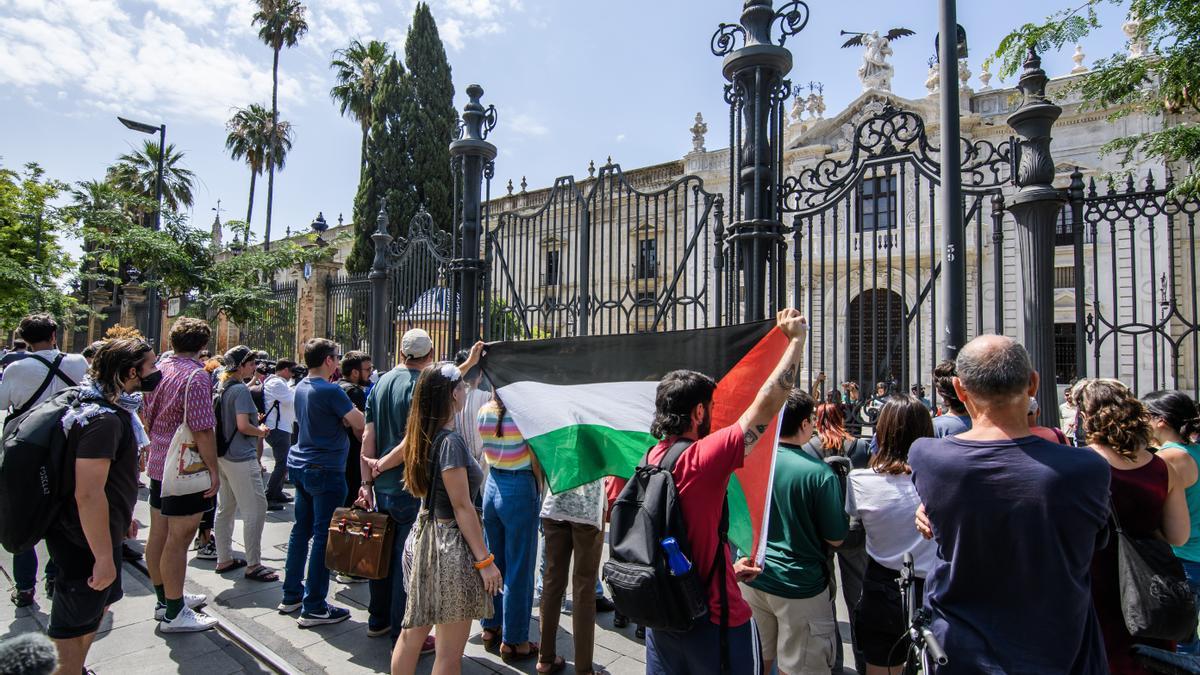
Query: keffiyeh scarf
[(89, 407)]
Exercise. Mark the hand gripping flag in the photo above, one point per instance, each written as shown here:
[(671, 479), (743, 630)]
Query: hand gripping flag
[(585, 404)]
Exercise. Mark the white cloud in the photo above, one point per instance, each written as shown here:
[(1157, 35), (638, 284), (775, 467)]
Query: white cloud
[(620, 138), (524, 124), (161, 63)]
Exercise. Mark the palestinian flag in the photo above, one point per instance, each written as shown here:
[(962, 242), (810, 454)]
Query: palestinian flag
[(585, 404)]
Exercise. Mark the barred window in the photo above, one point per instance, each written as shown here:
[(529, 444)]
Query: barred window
[(1064, 353), (877, 203), (551, 274), (647, 260)]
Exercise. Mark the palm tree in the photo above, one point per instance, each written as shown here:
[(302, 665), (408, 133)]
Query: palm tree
[(137, 172), (281, 24), (249, 139), (359, 70)]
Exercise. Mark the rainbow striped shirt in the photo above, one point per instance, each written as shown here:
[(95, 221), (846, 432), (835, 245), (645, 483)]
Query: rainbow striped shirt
[(508, 451)]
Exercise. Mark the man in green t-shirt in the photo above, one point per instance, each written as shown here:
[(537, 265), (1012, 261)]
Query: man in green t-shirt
[(790, 594)]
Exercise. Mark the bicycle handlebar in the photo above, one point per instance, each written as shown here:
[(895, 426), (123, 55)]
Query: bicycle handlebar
[(933, 647)]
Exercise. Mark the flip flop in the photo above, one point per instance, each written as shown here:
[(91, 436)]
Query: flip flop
[(559, 665), (261, 573), (235, 564)]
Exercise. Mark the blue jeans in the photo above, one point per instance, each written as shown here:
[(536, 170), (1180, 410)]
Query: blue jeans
[(1192, 570), (511, 503), (280, 442), (388, 598), (25, 570), (318, 492)]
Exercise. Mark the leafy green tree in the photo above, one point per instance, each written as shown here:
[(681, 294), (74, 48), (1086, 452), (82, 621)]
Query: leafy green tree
[(359, 70), (431, 118), (33, 261), (250, 139), (281, 24), (1165, 82), (387, 175), (137, 172)]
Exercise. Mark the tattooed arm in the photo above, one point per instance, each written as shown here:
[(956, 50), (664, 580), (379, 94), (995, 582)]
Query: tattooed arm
[(775, 390)]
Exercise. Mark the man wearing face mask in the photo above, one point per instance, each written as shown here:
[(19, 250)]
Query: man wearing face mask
[(41, 374), (103, 434)]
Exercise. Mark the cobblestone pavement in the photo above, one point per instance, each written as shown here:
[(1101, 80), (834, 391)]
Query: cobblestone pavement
[(128, 642)]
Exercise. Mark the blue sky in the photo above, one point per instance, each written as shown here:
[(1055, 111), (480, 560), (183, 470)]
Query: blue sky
[(573, 81)]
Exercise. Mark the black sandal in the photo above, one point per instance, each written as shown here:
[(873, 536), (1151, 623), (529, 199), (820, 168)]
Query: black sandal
[(559, 665), (262, 573), (512, 655), (490, 643), (235, 564)]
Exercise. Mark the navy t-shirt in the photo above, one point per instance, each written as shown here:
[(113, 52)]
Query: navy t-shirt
[(321, 441), (1016, 523)]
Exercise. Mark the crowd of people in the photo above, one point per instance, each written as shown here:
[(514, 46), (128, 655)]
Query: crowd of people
[(1007, 524)]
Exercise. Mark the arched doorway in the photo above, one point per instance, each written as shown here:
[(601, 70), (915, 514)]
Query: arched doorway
[(874, 333)]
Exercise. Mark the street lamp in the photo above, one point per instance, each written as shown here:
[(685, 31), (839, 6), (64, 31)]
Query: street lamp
[(153, 315), (954, 274)]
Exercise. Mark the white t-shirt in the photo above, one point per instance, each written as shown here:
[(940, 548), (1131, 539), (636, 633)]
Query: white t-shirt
[(276, 388), (887, 504), (22, 378)]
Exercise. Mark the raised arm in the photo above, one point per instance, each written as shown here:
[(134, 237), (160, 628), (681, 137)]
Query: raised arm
[(774, 391)]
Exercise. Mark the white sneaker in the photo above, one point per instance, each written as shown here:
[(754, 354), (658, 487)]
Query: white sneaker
[(188, 621), (190, 600), (347, 579)]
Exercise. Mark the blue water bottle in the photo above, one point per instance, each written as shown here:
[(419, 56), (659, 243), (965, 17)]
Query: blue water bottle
[(676, 560)]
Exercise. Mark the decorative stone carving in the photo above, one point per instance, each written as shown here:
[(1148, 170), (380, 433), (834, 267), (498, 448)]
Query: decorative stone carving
[(985, 77), (1137, 46), (875, 72), (698, 130), (816, 105), (933, 80), (1078, 58), (964, 73)]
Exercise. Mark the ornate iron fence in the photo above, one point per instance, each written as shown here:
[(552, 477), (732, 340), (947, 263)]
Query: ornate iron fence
[(602, 256), (420, 291), (348, 311), (1142, 322), (867, 256), (275, 330)]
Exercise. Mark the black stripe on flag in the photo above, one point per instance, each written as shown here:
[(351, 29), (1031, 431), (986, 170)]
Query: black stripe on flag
[(622, 358)]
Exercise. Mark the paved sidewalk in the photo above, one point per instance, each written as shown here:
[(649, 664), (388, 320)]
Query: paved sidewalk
[(129, 643)]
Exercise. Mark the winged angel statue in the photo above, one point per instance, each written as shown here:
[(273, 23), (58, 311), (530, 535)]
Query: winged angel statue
[(875, 72)]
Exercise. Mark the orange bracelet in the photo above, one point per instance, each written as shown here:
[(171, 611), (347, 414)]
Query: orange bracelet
[(486, 561)]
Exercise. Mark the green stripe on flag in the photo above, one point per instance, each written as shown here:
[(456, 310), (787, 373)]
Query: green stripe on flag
[(581, 453), (741, 530)]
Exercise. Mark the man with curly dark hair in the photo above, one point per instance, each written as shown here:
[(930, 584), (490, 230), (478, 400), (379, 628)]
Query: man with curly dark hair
[(683, 409), (954, 418), (1022, 517)]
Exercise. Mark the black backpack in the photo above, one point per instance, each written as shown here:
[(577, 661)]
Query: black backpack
[(53, 370), (223, 438), (643, 586), (33, 475)]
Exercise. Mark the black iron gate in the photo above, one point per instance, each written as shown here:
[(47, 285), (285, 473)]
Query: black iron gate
[(602, 257), (1142, 322), (348, 311), (420, 294), (275, 330), (866, 251)]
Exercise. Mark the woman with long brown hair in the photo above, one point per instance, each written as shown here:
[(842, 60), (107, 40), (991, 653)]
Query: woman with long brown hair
[(453, 576), (884, 498), (1147, 501)]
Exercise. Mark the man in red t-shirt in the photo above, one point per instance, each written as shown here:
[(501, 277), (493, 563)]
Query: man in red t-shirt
[(683, 409)]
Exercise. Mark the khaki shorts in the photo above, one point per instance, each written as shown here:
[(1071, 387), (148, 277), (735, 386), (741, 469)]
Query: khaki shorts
[(798, 635)]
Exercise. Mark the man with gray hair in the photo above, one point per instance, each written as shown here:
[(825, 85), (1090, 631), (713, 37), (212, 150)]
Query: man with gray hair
[(1016, 519)]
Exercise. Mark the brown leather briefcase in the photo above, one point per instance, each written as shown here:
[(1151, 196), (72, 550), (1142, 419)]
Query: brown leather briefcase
[(360, 543)]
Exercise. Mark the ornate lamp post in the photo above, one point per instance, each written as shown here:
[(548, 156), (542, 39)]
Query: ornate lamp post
[(473, 157), (1035, 207), (153, 318), (755, 94)]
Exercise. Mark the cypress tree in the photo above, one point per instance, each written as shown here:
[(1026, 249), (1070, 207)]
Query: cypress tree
[(432, 118), (387, 173)]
